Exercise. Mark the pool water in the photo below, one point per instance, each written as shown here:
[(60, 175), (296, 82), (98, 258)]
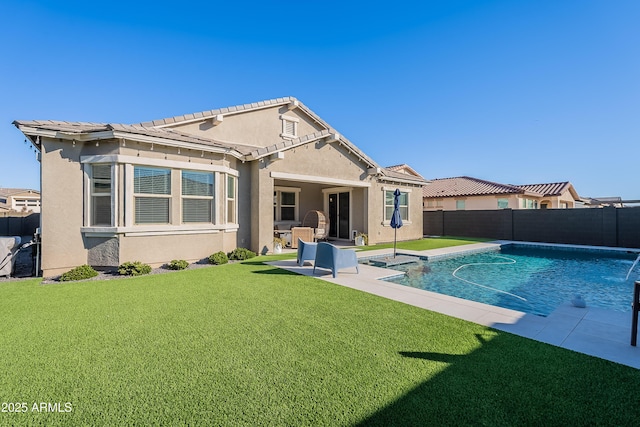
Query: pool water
[(530, 279)]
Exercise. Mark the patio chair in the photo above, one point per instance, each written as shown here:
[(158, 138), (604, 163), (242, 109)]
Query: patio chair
[(317, 220), (306, 251), (330, 257)]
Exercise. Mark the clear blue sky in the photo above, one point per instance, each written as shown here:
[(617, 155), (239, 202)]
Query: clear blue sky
[(516, 92)]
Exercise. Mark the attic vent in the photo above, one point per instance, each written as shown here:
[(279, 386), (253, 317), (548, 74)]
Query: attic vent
[(289, 126)]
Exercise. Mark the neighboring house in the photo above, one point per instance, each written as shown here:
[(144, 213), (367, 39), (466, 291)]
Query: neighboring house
[(19, 200), (466, 193), (188, 186)]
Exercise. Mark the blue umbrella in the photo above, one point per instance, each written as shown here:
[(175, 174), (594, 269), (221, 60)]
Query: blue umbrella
[(396, 218)]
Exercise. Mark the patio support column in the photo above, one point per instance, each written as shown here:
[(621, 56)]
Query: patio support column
[(261, 207)]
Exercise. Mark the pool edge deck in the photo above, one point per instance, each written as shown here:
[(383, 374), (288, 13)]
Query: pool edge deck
[(597, 332)]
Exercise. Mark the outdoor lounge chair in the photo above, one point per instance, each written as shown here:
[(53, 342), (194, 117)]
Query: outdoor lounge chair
[(330, 257), (317, 220), (306, 251)]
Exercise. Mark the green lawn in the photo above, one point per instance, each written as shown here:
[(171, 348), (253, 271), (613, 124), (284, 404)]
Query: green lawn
[(427, 243), (249, 344)]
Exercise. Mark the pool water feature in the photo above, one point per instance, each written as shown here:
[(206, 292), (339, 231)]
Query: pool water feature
[(531, 279)]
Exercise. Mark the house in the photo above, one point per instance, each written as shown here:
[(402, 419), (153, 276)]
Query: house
[(188, 186), (467, 193), (19, 200)]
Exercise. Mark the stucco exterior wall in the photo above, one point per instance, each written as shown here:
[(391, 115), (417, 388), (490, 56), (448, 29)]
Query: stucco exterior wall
[(472, 203), (379, 230), (260, 128), (62, 247), (317, 168)]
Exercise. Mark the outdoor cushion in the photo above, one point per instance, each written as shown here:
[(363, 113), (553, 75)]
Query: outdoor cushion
[(306, 251), (330, 257)]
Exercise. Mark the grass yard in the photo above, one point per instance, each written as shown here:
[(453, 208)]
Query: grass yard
[(249, 344), (426, 243)]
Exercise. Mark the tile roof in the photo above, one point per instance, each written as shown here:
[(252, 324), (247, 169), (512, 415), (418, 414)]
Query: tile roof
[(466, 186), (81, 128), (164, 129), (6, 192), (403, 169), (170, 121), (551, 189)]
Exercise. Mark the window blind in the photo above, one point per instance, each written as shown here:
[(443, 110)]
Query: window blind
[(197, 183), (152, 210), (151, 180), (196, 210), (100, 195)]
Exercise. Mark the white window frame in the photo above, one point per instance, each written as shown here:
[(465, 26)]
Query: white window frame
[(231, 200), (123, 222), (277, 203), (150, 196), (503, 199), (461, 204), (387, 221), (210, 198), (93, 195)]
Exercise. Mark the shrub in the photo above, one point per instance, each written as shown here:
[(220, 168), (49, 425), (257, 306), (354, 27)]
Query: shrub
[(79, 273), (218, 258), (177, 264), (135, 268), (241, 254)]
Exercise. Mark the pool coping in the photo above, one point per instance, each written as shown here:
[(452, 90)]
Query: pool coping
[(597, 332)]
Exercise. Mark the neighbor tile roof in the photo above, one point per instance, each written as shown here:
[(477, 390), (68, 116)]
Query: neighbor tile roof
[(551, 189), (6, 192), (466, 186)]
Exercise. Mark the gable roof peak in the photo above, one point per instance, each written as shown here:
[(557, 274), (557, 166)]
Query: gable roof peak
[(235, 109)]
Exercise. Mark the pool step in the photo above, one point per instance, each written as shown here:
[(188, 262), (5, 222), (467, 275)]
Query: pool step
[(391, 261)]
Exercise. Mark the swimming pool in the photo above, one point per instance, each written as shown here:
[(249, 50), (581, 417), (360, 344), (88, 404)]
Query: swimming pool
[(531, 279)]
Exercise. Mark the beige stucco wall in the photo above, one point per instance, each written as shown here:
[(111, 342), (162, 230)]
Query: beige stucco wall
[(62, 207), (472, 203), (379, 230), (260, 127), (491, 202), (65, 246), (69, 241)]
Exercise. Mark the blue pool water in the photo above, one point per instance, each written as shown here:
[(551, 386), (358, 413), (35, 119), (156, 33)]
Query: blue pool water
[(530, 279)]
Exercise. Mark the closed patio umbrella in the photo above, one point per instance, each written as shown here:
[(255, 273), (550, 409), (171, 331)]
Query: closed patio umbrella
[(396, 218)]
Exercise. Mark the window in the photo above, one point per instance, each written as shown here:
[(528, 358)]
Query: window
[(460, 205), (100, 195), (231, 199), (403, 205), (529, 204), (197, 196), (287, 206), (152, 194), (503, 203)]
